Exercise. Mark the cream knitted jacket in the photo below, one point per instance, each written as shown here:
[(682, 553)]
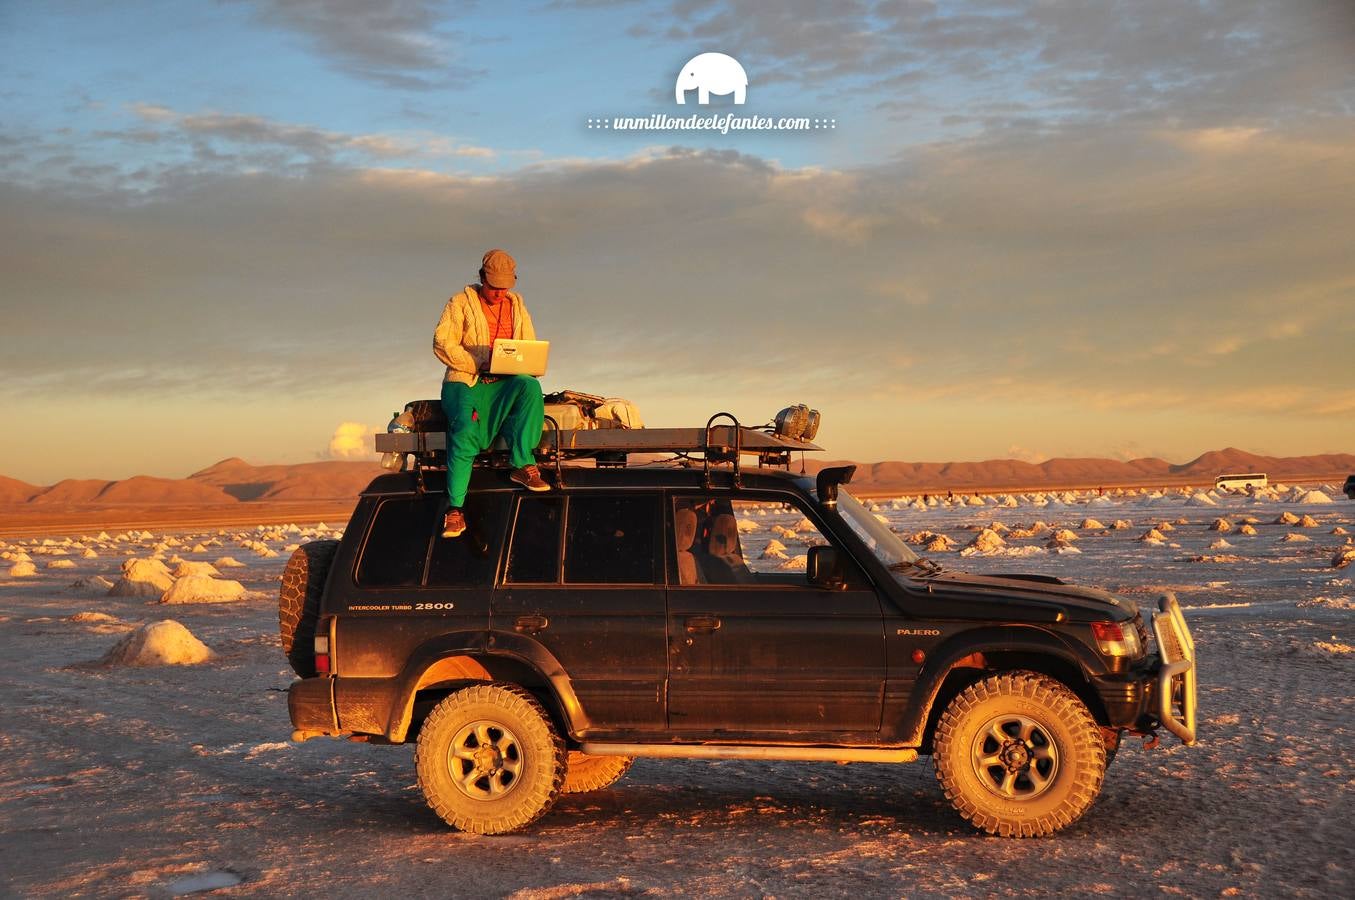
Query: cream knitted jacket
[(461, 339)]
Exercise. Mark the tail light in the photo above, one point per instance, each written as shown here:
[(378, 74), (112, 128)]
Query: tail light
[(322, 653), (1117, 638)]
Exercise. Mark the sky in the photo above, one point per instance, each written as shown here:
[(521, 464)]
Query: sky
[(1037, 228)]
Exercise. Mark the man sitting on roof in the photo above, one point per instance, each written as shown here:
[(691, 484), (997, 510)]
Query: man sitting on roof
[(481, 407)]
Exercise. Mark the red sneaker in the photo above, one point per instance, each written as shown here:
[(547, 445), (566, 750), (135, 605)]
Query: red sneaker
[(529, 477), (454, 524)]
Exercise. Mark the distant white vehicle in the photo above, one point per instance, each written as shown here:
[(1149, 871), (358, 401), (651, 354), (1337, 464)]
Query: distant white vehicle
[(1240, 482)]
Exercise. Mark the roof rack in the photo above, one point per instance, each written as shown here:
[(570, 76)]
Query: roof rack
[(610, 447)]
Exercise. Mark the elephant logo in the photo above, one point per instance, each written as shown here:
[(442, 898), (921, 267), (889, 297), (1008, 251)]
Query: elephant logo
[(712, 73)]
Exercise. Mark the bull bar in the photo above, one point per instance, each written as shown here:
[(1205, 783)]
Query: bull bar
[(1176, 678)]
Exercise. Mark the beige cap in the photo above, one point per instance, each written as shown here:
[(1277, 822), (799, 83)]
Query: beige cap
[(498, 270)]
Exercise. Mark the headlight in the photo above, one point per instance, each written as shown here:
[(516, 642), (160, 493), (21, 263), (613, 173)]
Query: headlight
[(1117, 638)]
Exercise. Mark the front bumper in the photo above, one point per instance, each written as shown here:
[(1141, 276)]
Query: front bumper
[(1177, 693)]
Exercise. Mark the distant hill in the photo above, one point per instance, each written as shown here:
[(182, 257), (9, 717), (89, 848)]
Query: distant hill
[(1013, 474), (234, 481), (302, 481), (12, 490), (230, 481)]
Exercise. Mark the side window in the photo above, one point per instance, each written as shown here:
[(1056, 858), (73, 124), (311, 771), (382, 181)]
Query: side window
[(469, 560), (534, 557), (723, 541), (397, 544), (611, 540)]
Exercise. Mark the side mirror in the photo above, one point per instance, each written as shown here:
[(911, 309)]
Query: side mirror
[(824, 569)]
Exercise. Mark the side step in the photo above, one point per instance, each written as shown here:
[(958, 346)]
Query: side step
[(734, 751)]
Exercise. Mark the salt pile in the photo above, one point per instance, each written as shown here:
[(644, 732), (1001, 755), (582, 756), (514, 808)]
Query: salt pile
[(1223, 526), (93, 586), (1344, 557), (1294, 538), (195, 568), (1201, 500), (23, 569), (1247, 528), (939, 544), (774, 550), (1314, 497), (142, 578), (986, 541), (1091, 525), (61, 564), (1287, 518), (227, 562), (1307, 522), (163, 643), (203, 589)]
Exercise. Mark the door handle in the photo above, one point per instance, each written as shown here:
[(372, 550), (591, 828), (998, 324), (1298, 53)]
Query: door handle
[(702, 624), (530, 624)]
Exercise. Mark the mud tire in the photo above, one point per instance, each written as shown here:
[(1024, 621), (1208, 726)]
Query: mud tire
[(303, 581), (1056, 724), (508, 719), (593, 773)]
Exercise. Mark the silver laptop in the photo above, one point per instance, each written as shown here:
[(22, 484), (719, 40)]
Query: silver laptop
[(510, 357)]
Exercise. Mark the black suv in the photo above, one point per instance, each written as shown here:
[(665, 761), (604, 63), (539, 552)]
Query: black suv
[(707, 612)]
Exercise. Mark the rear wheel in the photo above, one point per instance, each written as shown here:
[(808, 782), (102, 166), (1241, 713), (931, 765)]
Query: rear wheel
[(488, 759), (593, 773), (1019, 755)]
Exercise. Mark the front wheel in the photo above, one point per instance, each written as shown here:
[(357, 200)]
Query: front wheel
[(488, 759), (1019, 755)]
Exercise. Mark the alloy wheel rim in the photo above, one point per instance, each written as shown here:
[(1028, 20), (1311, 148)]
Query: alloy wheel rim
[(485, 760), (1014, 757)]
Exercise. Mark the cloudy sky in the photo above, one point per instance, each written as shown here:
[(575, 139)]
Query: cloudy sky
[(1040, 228)]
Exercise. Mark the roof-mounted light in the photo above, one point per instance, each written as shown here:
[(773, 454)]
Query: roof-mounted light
[(798, 423)]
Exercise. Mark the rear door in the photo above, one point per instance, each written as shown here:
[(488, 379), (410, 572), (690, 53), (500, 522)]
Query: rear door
[(753, 646), (584, 579)]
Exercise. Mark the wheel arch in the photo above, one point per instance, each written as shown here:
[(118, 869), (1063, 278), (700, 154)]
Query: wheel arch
[(971, 656), (452, 661)]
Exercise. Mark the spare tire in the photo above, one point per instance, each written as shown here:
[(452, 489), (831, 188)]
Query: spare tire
[(303, 581)]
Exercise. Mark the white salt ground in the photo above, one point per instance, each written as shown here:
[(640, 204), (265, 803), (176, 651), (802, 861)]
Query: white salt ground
[(1265, 799)]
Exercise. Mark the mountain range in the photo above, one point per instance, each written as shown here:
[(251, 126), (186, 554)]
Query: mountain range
[(234, 481)]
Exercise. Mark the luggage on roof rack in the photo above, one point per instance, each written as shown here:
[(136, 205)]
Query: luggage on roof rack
[(716, 443)]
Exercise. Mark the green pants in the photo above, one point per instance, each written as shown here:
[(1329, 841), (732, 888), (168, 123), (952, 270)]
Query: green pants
[(511, 408)]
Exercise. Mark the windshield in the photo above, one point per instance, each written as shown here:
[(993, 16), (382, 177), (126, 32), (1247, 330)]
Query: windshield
[(885, 544)]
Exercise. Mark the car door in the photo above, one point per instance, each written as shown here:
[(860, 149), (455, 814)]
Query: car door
[(584, 579), (754, 647)]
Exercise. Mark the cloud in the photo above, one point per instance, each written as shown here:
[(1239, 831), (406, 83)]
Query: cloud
[(310, 144), (1044, 276), (351, 440), (1034, 62), (1015, 451), (396, 43)]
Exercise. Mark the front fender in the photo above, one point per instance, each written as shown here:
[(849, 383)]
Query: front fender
[(944, 658)]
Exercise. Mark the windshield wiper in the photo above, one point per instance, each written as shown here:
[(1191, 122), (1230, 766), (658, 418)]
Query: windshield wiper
[(926, 565)]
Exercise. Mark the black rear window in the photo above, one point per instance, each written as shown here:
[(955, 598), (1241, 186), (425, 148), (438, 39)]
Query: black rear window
[(469, 560), (534, 557), (397, 545)]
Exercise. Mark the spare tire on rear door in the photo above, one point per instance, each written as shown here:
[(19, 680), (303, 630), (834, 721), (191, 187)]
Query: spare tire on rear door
[(299, 602)]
